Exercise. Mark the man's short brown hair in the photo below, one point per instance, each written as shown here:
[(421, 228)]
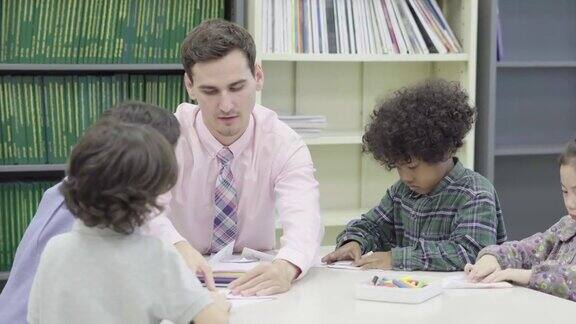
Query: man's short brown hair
[(115, 173), (214, 39)]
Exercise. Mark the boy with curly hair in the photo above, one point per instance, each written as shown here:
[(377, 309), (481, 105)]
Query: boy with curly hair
[(105, 270), (439, 215)]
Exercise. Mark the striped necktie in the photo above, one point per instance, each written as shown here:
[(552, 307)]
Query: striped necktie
[(225, 203)]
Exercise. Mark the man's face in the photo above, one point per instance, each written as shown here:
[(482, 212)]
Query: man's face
[(423, 177), (225, 90)]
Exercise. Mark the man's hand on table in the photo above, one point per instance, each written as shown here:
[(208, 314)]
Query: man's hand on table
[(268, 278)]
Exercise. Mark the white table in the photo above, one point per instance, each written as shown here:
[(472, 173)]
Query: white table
[(327, 296)]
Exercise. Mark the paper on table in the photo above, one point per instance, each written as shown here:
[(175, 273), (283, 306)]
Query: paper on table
[(460, 282), (346, 265), (225, 261), (250, 253), (227, 251), (229, 296), (235, 303), (233, 267)]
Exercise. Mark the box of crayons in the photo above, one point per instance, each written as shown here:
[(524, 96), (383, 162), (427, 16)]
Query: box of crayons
[(398, 289)]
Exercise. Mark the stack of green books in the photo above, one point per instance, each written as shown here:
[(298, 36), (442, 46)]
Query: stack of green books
[(99, 31), (18, 203), (42, 117)]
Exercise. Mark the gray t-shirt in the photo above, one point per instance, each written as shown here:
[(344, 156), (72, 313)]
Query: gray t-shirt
[(94, 275)]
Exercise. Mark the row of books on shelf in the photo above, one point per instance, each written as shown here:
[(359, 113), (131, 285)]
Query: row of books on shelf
[(99, 31), (43, 116), (306, 125), (356, 27), (18, 203)]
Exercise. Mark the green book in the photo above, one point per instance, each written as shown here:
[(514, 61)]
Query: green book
[(82, 31), (118, 27), (56, 33), (33, 31), (93, 95), (61, 135), (19, 13), (56, 122), (11, 216), (4, 29), (10, 99), (48, 32), (3, 204), (20, 215), (51, 106), (172, 30), (91, 40), (4, 210), (77, 26), (22, 46), (39, 122), (69, 112), (49, 122), (165, 32), (63, 43), (16, 129), (141, 23), (42, 32), (125, 81), (32, 139), (24, 115), (3, 139), (71, 117), (195, 10), (82, 102)]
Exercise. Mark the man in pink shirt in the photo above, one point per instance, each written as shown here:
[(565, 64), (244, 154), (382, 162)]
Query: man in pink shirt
[(238, 164)]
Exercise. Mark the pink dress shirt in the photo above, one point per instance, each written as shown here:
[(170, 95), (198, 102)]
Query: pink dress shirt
[(272, 168)]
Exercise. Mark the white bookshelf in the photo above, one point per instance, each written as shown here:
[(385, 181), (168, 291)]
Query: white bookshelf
[(365, 58), (345, 88)]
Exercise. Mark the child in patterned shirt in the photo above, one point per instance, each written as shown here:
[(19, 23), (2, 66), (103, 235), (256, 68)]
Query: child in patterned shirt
[(544, 261), (440, 214)]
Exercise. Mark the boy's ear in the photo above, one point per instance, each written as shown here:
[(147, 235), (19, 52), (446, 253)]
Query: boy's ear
[(189, 86)]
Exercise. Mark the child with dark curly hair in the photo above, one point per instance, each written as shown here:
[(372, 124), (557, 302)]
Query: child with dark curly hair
[(105, 270), (439, 215)]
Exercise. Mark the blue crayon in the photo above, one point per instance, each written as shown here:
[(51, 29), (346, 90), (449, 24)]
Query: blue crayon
[(400, 284)]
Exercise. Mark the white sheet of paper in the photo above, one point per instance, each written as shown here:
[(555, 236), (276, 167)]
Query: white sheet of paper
[(233, 266), (241, 300), (227, 251), (229, 296), (238, 259), (460, 282), (226, 261), (250, 253), (346, 265)]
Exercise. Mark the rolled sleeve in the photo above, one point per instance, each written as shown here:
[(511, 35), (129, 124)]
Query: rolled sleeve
[(298, 205)]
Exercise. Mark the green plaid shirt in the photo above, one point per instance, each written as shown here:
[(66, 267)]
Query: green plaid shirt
[(440, 231)]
